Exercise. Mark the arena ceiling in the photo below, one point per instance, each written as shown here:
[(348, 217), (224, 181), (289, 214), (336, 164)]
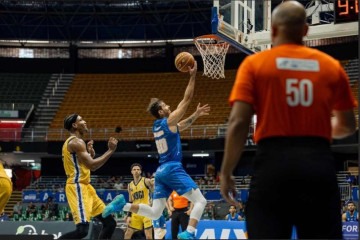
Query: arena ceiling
[(107, 20)]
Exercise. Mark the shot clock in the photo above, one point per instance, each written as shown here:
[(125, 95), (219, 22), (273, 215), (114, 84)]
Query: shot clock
[(346, 10)]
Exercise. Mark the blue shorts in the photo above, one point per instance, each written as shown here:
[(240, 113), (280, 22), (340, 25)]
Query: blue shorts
[(170, 177), (160, 223)]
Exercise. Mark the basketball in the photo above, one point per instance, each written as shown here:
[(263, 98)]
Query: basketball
[(183, 60)]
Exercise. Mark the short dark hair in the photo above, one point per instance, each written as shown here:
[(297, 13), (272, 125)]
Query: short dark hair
[(154, 107), (136, 165), (69, 120)]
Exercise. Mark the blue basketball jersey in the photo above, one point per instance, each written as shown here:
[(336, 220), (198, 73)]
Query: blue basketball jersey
[(352, 218), (167, 143), (235, 218)]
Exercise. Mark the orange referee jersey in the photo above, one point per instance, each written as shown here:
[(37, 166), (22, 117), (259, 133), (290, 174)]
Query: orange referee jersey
[(179, 201), (293, 90)]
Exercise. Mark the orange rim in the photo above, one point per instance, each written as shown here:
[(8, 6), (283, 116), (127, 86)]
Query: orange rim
[(209, 36)]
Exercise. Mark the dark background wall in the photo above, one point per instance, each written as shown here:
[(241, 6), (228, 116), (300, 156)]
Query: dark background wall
[(165, 64)]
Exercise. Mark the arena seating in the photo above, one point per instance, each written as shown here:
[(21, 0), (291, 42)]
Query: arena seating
[(352, 69), (109, 100), (22, 88)]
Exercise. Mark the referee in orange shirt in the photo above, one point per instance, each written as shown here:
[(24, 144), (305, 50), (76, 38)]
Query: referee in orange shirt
[(302, 100), (179, 213)]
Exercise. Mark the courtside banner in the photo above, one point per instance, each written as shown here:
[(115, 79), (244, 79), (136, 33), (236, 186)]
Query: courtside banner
[(350, 230), (41, 196), (29, 196), (55, 228), (216, 229), (221, 229)]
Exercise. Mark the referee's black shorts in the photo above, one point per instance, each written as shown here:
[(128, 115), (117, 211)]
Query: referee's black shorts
[(294, 183)]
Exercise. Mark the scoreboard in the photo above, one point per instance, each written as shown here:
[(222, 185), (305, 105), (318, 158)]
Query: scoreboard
[(346, 10)]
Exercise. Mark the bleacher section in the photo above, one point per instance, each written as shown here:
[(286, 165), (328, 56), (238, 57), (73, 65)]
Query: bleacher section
[(22, 88), (352, 69), (109, 100)]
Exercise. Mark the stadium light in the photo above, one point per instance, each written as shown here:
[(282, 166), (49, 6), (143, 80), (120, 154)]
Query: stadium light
[(27, 160), (200, 154)]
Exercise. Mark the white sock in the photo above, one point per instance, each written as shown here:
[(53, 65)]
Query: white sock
[(190, 229), (127, 207)]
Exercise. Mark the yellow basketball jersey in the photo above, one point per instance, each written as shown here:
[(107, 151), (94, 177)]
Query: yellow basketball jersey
[(139, 192), (76, 171), (3, 173)]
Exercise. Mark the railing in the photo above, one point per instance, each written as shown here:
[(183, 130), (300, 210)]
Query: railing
[(345, 191), (136, 133)]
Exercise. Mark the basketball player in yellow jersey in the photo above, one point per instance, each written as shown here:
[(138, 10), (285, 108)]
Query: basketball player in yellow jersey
[(5, 187), (139, 192), (78, 160)]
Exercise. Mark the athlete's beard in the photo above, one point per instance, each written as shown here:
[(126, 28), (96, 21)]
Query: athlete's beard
[(137, 177)]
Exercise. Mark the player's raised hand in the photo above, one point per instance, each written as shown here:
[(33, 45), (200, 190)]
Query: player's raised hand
[(193, 70), (202, 110), (90, 148), (112, 143)]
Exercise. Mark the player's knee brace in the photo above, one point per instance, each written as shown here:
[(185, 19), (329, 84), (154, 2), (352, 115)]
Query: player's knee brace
[(199, 204), (203, 201)]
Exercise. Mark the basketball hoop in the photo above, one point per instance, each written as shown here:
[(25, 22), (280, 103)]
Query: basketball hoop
[(213, 51)]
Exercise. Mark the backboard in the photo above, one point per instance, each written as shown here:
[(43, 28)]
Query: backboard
[(238, 20), (246, 24)]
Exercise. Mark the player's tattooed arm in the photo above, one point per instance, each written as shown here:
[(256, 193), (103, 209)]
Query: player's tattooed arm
[(200, 111)]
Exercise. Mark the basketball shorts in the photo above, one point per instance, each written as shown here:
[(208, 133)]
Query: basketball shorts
[(160, 223), (83, 201), (5, 192), (172, 176), (140, 222)]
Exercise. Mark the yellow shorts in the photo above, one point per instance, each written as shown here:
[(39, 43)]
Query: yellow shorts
[(140, 222), (83, 201), (5, 192)]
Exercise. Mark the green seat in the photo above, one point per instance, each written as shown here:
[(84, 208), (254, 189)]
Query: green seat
[(16, 217), (31, 217), (61, 214), (39, 217)]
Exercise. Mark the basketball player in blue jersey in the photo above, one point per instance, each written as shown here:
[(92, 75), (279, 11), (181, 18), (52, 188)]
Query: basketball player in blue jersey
[(351, 215), (78, 160), (170, 175), (233, 216)]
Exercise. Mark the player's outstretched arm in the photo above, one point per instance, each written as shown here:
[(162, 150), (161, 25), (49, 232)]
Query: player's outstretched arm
[(179, 112), (78, 146), (200, 111)]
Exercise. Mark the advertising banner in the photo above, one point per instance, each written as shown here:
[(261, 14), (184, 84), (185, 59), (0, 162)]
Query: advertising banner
[(207, 229), (55, 228), (222, 229), (216, 229), (41, 196)]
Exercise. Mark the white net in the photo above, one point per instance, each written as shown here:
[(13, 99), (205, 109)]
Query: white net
[(213, 52)]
